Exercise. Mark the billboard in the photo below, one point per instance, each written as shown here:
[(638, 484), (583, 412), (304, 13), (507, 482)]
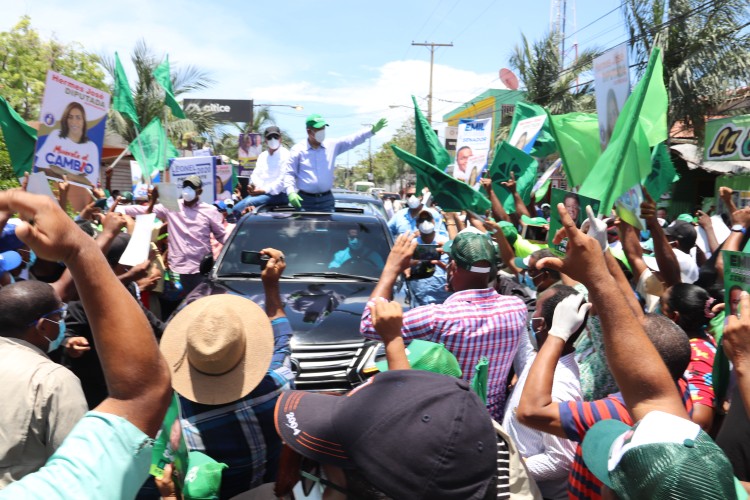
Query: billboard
[(612, 81), (231, 110), (728, 139)]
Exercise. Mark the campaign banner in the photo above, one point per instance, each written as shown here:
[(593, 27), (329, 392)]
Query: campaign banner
[(472, 150), (169, 446), (526, 132), (139, 181), (728, 139), (202, 166), (575, 204), (250, 146), (736, 279), (223, 185), (628, 207), (71, 130), (612, 83)]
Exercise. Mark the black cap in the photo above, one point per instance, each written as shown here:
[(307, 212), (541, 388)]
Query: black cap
[(272, 130), (411, 433), (683, 232)]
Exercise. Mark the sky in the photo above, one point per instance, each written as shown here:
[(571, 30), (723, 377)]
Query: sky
[(349, 60)]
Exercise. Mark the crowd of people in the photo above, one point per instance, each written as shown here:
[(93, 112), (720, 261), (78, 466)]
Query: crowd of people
[(616, 371)]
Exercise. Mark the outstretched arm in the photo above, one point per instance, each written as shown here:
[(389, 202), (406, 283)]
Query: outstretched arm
[(139, 390)]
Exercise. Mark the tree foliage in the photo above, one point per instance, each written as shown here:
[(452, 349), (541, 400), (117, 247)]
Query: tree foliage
[(539, 64), (706, 51), (227, 143)]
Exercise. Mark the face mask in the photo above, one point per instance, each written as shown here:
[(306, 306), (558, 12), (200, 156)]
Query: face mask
[(355, 243), (427, 227), (526, 280), (320, 135), (188, 194), (32, 259), (645, 235), (413, 202), (54, 344), (532, 337), (273, 143)]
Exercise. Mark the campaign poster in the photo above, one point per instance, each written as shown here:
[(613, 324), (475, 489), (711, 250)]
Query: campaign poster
[(526, 132), (139, 182), (628, 207), (736, 279), (575, 204), (612, 81), (728, 139), (202, 166), (223, 185), (71, 130), (472, 150), (170, 446), (249, 148)]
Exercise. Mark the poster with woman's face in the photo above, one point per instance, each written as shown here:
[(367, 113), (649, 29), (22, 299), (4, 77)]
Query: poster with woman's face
[(71, 130)]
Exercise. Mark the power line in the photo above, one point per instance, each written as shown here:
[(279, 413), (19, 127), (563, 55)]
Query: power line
[(595, 21)]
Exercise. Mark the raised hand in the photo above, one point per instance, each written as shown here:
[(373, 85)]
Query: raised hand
[(387, 319), (510, 184), (274, 267), (380, 125)]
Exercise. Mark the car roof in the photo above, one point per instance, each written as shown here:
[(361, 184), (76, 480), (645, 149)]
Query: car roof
[(335, 216)]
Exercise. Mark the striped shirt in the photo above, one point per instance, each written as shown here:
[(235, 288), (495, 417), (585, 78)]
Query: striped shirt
[(471, 324), (577, 417)]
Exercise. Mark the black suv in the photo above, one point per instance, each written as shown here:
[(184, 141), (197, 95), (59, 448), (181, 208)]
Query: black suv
[(324, 303)]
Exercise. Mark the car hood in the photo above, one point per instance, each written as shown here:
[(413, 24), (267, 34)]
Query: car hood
[(319, 312)]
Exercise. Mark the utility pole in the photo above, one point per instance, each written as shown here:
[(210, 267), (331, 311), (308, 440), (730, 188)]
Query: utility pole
[(432, 46)]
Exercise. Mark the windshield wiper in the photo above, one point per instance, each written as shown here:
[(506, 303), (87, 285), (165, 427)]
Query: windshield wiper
[(335, 275)]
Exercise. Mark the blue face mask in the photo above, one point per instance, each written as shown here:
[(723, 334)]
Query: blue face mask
[(355, 243), (32, 259), (526, 280), (54, 344), (645, 235)]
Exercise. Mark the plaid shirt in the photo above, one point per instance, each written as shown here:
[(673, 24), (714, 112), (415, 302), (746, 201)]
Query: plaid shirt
[(241, 434), (471, 324)]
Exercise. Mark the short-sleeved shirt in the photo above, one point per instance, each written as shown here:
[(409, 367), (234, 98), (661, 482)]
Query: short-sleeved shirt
[(103, 457), (699, 373)]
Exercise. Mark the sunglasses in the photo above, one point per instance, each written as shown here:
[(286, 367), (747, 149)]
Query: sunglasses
[(273, 136), (63, 312)]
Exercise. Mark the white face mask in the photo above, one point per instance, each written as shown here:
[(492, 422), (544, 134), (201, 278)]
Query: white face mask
[(320, 135), (188, 194), (413, 202), (426, 227), (273, 143)]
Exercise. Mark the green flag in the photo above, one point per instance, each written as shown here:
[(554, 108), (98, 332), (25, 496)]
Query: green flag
[(577, 137), (663, 173), (505, 160), (428, 145), (163, 78), (152, 148), (545, 143), (627, 159), (451, 194), (20, 139), (122, 97)]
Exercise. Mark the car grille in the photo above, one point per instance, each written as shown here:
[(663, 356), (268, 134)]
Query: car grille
[(328, 367)]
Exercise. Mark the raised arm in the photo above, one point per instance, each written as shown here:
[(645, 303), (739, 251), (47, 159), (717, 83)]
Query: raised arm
[(734, 242), (498, 211), (387, 319), (648, 388), (139, 389), (270, 277), (669, 267), (632, 248), (736, 342), (510, 185)]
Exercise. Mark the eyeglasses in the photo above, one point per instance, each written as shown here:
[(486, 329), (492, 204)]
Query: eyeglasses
[(273, 136), (63, 312)]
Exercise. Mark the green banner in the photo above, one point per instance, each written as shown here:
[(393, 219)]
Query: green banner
[(728, 139)]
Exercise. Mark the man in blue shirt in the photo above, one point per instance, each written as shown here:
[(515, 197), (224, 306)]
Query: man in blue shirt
[(405, 220), (357, 254), (308, 174)]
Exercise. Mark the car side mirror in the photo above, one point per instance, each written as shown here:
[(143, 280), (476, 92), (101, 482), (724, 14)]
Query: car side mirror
[(207, 262)]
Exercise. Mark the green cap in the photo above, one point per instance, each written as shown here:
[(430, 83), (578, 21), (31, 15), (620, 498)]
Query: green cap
[(203, 477), (662, 456), (429, 356), (315, 121), (469, 247), (534, 221), (126, 195), (686, 218), (509, 230)]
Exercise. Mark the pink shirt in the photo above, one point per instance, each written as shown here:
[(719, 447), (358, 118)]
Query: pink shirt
[(190, 232)]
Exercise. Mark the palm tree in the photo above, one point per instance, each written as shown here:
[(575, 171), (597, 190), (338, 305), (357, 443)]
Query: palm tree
[(149, 97), (705, 47), (540, 66)]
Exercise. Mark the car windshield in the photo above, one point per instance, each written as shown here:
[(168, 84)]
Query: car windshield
[(314, 246)]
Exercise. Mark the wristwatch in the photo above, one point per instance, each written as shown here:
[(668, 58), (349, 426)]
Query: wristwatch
[(737, 228)]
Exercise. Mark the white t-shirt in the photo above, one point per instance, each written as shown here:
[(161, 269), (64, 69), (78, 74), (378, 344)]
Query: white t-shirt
[(69, 156)]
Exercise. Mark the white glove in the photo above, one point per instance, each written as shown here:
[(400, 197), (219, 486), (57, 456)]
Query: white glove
[(569, 316), (597, 228)]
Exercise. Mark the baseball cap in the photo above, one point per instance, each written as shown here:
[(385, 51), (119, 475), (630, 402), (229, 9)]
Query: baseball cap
[(429, 356), (686, 218), (509, 231), (683, 232), (522, 262), (410, 433), (8, 238), (688, 267), (126, 195), (194, 181), (470, 247), (272, 130), (9, 260), (315, 121), (534, 221), (661, 456)]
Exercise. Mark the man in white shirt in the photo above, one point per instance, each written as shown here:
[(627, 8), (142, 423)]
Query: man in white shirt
[(267, 180), (548, 457), (308, 175)]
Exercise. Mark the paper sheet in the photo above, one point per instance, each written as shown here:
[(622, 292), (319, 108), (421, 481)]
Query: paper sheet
[(168, 195), (140, 241), (38, 185)]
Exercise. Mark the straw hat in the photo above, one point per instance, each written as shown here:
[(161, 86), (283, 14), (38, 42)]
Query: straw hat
[(218, 349)]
